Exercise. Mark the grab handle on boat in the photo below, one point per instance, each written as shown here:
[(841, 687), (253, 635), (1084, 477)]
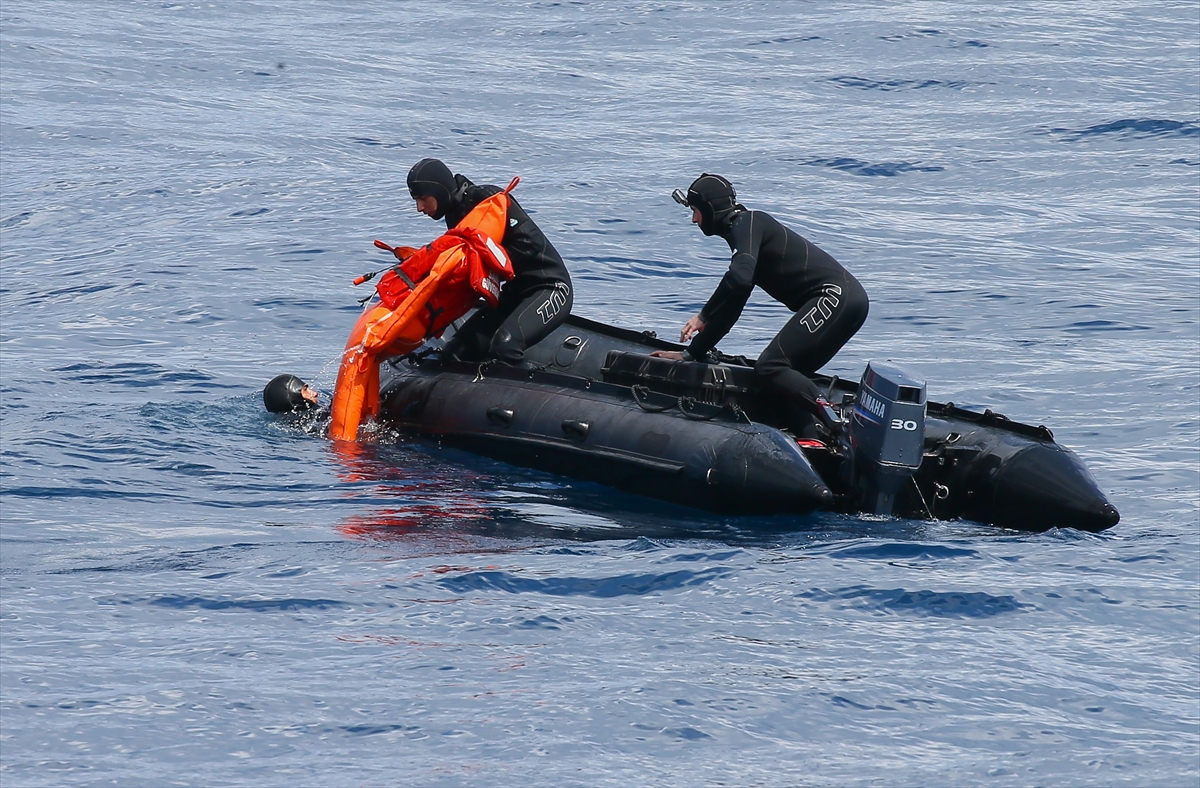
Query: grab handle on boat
[(499, 415), (575, 429)]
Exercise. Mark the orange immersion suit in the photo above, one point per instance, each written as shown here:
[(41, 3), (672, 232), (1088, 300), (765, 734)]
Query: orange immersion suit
[(418, 299)]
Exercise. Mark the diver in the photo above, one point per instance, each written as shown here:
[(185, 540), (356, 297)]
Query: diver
[(289, 394), (829, 303), (532, 304)]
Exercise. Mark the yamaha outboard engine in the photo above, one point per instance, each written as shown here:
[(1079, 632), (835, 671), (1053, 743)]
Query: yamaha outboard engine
[(887, 433)]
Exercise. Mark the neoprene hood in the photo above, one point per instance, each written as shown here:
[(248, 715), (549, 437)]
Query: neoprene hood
[(716, 200), (432, 178), (284, 395)]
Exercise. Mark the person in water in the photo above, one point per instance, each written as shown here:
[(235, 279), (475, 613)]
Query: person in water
[(289, 394), (533, 303), (829, 303)]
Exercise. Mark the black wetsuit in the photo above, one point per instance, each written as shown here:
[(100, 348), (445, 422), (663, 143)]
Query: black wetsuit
[(829, 303), (532, 304)]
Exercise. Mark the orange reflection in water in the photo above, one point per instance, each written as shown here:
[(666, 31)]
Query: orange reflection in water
[(431, 500)]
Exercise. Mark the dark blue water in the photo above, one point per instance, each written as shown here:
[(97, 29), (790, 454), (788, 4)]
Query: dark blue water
[(193, 594)]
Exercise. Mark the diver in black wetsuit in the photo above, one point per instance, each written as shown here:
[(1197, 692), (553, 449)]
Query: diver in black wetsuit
[(829, 304), (533, 303)]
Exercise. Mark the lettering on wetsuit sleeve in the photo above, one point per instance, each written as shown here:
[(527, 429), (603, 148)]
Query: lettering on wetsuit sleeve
[(824, 308), (552, 305)]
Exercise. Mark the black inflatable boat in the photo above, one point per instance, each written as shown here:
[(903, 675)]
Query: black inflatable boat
[(590, 402)]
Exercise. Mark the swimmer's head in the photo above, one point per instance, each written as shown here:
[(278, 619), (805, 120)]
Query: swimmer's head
[(716, 201), (431, 178), (288, 394)]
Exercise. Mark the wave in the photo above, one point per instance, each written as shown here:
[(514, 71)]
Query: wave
[(886, 169), (1135, 127), (603, 587), (940, 604), (891, 85)]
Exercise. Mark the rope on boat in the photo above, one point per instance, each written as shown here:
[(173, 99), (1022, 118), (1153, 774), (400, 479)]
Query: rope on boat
[(921, 495), (686, 405), (640, 392)]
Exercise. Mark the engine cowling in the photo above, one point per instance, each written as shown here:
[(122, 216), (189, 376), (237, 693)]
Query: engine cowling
[(887, 435)]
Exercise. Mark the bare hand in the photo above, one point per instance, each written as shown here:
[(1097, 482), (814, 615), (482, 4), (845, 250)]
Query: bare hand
[(673, 355), (691, 328)]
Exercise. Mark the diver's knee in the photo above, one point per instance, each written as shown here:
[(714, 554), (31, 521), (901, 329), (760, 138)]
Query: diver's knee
[(507, 348), (855, 312), (859, 317)]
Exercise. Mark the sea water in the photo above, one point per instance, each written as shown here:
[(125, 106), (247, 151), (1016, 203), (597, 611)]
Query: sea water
[(196, 594)]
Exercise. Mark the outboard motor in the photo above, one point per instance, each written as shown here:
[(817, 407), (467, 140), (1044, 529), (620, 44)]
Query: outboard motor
[(887, 433)]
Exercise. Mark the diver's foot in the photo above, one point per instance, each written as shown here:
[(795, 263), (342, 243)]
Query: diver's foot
[(829, 419), (455, 351)]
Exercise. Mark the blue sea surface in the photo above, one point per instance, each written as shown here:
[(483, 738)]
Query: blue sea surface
[(194, 594)]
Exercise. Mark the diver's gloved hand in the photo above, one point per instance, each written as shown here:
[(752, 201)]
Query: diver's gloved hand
[(403, 252)]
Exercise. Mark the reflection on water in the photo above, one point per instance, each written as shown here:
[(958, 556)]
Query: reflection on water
[(410, 490)]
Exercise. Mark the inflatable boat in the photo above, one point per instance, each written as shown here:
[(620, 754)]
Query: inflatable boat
[(590, 402)]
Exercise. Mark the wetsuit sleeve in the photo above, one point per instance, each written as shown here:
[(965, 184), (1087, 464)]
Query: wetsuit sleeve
[(725, 305), (719, 314)]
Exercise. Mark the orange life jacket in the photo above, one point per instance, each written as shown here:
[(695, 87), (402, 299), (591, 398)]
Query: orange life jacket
[(418, 299)]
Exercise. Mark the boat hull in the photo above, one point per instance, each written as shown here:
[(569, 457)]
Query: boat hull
[(718, 450), (593, 431)]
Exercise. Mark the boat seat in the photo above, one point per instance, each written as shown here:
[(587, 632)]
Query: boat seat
[(714, 384)]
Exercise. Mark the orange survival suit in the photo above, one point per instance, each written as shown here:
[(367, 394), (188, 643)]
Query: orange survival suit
[(430, 289)]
